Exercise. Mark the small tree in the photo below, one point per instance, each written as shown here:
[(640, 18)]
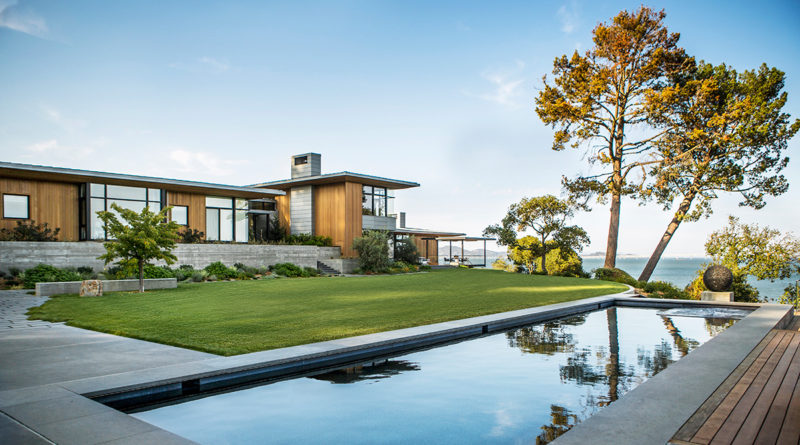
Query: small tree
[(406, 251), (373, 251), (750, 251), (141, 238), (547, 217)]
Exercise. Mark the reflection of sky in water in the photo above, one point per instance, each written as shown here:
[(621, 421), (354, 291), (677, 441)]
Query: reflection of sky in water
[(523, 386)]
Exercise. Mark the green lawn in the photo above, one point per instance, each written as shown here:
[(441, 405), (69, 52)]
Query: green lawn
[(231, 318)]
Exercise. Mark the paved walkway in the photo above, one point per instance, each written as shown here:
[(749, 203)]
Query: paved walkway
[(36, 356)]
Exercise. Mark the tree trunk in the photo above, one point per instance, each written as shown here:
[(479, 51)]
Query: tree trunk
[(544, 257), (141, 276), (613, 232), (683, 209), (612, 368)]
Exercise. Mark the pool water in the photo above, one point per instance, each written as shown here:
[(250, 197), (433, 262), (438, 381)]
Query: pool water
[(526, 385)]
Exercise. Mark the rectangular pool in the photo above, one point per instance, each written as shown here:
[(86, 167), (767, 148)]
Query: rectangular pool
[(525, 385)]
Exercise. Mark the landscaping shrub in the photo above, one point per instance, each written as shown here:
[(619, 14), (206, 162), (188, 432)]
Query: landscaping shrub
[(29, 231), (373, 251), (306, 239), (614, 274), (406, 251), (220, 271), (44, 273), (662, 289), (151, 271), (190, 236), (310, 272), (288, 270), (198, 276), (742, 290)]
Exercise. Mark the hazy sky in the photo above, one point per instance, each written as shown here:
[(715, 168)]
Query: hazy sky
[(435, 92)]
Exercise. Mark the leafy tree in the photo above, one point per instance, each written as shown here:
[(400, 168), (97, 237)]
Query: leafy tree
[(596, 99), (406, 251), (750, 251), (373, 251), (547, 217), (139, 238), (524, 251), (726, 133)]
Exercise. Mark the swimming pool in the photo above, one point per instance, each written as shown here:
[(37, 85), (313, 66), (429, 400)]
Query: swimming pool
[(526, 385)]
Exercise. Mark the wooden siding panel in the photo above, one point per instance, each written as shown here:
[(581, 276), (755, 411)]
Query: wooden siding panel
[(284, 211), (54, 203), (329, 212), (196, 204), (352, 217), (432, 249)]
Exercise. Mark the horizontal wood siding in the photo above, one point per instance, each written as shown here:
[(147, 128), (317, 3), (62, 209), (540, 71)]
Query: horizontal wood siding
[(196, 204), (54, 203)]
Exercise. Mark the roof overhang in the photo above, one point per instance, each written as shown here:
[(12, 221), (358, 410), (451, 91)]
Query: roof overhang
[(424, 232), (464, 238), (334, 178), (59, 174)]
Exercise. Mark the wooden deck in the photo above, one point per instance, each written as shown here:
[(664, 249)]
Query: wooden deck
[(758, 403)]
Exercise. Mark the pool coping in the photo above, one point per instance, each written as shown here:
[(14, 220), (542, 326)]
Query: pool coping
[(214, 373)]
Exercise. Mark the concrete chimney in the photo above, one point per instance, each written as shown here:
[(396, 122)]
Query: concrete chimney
[(307, 164), (402, 220)]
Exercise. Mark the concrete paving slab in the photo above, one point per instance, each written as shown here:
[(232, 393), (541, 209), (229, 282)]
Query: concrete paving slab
[(152, 438), (11, 432), (54, 410), (32, 394), (94, 429)]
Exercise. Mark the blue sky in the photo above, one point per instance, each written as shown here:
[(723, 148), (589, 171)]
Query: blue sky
[(436, 92)]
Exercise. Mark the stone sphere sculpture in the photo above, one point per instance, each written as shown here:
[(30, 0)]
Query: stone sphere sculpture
[(718, 279)]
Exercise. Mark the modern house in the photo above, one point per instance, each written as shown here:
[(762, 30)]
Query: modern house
[(338, 205)]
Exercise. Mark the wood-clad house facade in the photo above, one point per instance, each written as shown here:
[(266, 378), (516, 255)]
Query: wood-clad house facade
[(337, 205), (68, 199)]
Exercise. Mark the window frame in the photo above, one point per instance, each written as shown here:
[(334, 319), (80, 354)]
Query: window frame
[(90, 196), (27, 209), (187, 215)]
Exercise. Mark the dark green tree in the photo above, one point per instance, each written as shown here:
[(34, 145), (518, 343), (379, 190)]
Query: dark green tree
[(547, 217), (726, 132), (139, 238), (597, 100)]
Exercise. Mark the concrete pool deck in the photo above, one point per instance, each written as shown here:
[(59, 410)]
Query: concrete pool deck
[(49, 371)]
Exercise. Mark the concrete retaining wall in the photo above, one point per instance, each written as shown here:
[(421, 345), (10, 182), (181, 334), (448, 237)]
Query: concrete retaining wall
[(25, 254), (343, 265), (74, 287)]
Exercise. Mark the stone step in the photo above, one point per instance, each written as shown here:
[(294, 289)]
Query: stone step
[(327, 270)]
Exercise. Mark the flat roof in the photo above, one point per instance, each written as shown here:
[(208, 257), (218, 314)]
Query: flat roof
[(432, 233), (331, 178), (61, 174), (464, 238)]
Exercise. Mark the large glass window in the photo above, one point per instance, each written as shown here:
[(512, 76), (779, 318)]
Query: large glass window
[(16, 206), (132, 198), (376, 201), (226, 219)]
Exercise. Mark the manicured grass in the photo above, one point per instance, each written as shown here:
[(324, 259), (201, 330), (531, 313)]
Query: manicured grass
[(229, 318)]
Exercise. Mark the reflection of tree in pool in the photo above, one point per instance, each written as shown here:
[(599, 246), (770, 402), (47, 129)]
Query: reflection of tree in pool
[(716, 325), (561, 421), (548, 338), (375, 371), (684, 345), (653, 364)]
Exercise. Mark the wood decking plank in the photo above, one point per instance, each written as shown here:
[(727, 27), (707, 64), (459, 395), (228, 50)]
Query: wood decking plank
[(755, 425), (735, 420), (696, 421), (720, 414), (790, 430)]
